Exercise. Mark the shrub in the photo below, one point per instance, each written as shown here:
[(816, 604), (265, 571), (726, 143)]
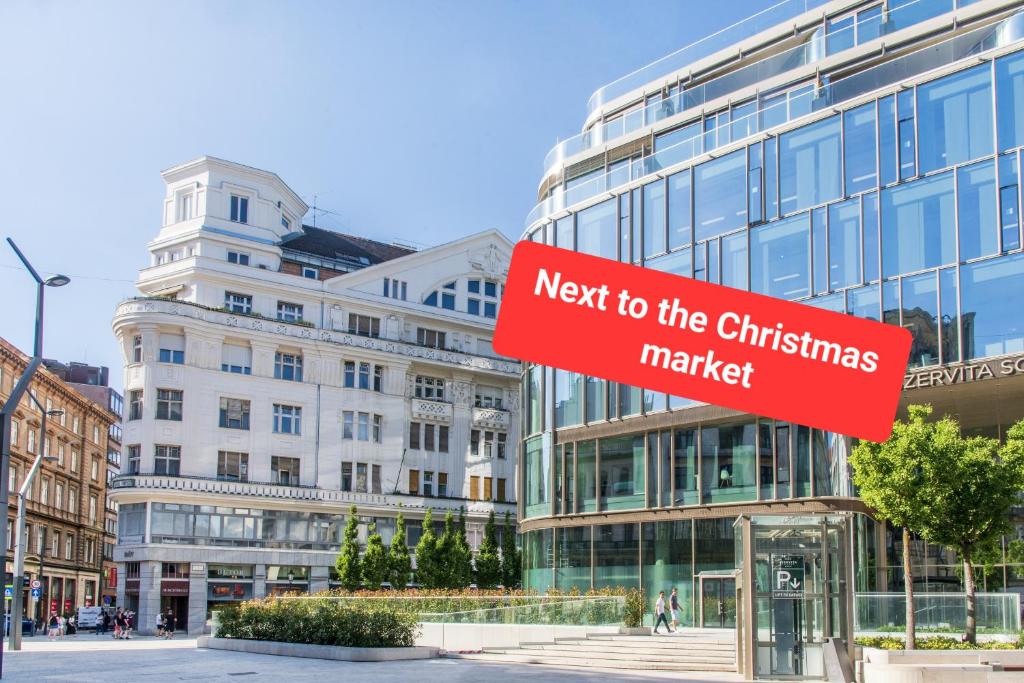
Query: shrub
[(634, 616), (935, 643), (399, 564), (318, 622)]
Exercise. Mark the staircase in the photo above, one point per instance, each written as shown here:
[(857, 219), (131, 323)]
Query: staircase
[(686, 650)]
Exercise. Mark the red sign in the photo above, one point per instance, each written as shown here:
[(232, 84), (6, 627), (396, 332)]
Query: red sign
[(705, 342)]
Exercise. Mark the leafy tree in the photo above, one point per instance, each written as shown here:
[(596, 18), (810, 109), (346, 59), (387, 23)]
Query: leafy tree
[(427, 555), (488, 562), (375, 560), (399, 564), (446, 554), (973, 483), (462, 556), (347, 563), (511, 568), (890, 475)]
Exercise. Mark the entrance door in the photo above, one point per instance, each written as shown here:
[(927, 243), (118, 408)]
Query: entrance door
[(718, 602)]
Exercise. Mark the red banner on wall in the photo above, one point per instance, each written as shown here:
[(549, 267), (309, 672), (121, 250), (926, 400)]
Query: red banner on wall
[(701, 341)]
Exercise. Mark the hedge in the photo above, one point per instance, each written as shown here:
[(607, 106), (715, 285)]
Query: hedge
[(319, 622), (936, 643)]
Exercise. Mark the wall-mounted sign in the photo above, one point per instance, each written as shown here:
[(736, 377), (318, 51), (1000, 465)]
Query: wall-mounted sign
[(787, 577), (964, 373)]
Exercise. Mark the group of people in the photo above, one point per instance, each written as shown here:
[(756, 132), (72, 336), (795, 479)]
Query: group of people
[(122, 621), (165, 625), (57, 626), (660, 614)]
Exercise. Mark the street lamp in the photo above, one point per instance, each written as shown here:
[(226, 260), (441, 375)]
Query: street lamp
[(14, 398), (19, 528)]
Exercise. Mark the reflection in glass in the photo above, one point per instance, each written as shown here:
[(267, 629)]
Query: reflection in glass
[(586, 476), (573, 567), (729, 463), (976, 210), (954, 115), (844, 244), (668, 563), (622, 472), (810, 170), (1010, 100), (734, 260), (536, 470), (918, 225), (860, 147), (680, 223), (617, 555), (595, 230), (595, 399), (684, 450), (568, 398), (779, 258), (992, 321), (720, 188), (950, 315), (1009, 201), (654, 218)]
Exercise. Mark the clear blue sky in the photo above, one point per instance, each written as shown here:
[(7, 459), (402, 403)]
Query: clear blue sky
[(421, 121)]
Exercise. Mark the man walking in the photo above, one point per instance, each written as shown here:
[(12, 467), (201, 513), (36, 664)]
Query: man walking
[(659, 610), (673, 605)]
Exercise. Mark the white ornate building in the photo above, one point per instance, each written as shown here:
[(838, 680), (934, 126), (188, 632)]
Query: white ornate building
[(277, 373)]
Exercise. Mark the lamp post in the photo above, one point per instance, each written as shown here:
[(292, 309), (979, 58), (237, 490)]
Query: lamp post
[(19, 527), (19, 390)]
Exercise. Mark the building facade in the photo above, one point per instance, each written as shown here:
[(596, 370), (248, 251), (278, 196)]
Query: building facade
[(93, 382), (277, 373), (862, 157), (65, 521)]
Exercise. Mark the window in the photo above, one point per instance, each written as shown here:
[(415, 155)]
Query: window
[(428, 483), (488, 397), (428, 437), (414, 482), (414, 435), (363, 325), (311, 273), (234, 413), (363, 376), (490, 309), (442, 484), (287, 419), (473, 286), (232, 466), (378, 423), (954, 118), (134, 405), (93, 503), (488, 493), (779, 258), (429, 387), (860, 148), (134, 458), (918, 225), (291, 313), (431, 338), (15, 428), (30, 444), (75, 422), (976, 210), (172, 348), (239, 257), (346, 476), (58, 496), (720, 189), (361, 426), (69, 546), (238, 303), (60, 455), (239, 209), (185, 206), (95, 433), (394, 289), (596, 230), (474, 488), (44, 490), (500, 496), (167, 460), (360, 477), (375, 486), (73, 500), (54, 544), (810, 170), (168, 404), (137, 348), (74, 459), (347, 420), (94, 470), (473, 306), (285, 223), (284, 470), (236, 358), (288, 366)]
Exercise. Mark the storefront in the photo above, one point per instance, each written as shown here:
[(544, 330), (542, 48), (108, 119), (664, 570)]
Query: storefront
[(283, 579), (227, 584), (174, 590)]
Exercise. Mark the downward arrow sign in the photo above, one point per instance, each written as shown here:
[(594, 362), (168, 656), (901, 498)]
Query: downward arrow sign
[(794, 584)]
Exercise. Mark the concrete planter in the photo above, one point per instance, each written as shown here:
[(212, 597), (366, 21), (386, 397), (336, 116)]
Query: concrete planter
[(638, 631), (335, 652), (941, 666)]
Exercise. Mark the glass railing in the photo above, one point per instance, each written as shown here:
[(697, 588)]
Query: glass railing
[(936, 612), (868, 25), (798, 103), (763, 20), (602, 611)]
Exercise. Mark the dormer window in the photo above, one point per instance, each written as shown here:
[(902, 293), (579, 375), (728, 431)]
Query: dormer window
[(239, 209), (311, 273), (285, 223)]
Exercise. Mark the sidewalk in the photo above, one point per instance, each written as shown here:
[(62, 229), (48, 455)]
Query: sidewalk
[(89, 641)]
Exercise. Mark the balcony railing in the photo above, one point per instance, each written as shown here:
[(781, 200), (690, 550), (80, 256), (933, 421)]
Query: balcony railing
[(212, 486), (431, 410), (219, 317), (492, 418)]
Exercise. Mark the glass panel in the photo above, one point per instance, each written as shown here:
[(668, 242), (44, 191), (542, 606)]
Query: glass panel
[(617, 556), (568, 398), (677, 263), (820, 250), (537, 471), (1010, 100), (734, 261), (595, 230), (921, 317), (720, 188), (538, 555), (918, 227), (779, 260), (665, 485), (563, 234), (622, 472), (1009, 201), (680, 223), (684, 449), (905, 129), (783, 477), (887, 140), (976, 210), (573, 567), (869, 210), (810, 165), (950, 315), (654, 218), (860, 148), (595, 399), (765, 459), (954, 117), (993, 319), (863, 302), (713, 262), (844, 244), (839, 32), (586, 476), (771, 178), (668, 563), (802, 462), (729, 463), (535, 399)]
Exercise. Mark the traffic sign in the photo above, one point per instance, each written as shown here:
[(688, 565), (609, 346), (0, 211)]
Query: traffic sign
[(787, 577), (8, 592), (37, 593), (36, 583)]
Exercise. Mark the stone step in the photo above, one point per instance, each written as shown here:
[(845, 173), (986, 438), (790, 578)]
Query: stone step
[(635, 654), (520, 657), (652, 643), (679, 636)]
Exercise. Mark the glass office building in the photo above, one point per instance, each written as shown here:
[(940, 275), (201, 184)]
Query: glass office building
[(861, 157)]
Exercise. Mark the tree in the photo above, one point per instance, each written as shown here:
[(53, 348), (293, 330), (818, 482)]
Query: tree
[(375, 560), (446, 551), (399, 564), (889, 476), (511, 569), (347, 564), (426, 555), (973, 483), (488, 562), (462, 556)]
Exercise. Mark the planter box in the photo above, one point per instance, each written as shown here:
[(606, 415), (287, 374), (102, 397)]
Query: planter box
[(639, 631), (335, 652)]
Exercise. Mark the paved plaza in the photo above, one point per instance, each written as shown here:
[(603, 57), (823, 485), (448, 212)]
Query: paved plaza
[(88, 657)]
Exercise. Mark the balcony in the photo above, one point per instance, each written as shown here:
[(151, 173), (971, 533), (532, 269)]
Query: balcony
[(425, 409), (144, 306), (146, 485), (491, 418)]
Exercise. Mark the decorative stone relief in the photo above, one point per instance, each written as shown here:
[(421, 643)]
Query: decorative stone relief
[(491, 261), (461, 393)]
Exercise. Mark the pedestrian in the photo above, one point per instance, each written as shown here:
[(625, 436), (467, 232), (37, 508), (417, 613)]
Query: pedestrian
[(159, 624), (53, 626), (129, 622), (673, 605), (119, 624), (169, 625), (659, 610)]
